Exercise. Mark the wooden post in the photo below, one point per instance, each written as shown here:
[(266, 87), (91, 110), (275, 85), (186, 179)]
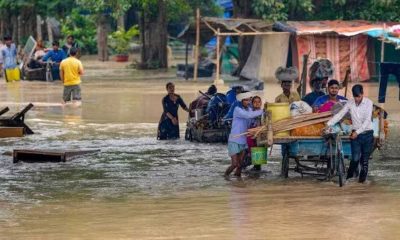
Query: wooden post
[(270, 133), (218, 57), (186, 57), (303, 79), (196, 52), (382, 54), (381, 138), (217, 80), (383, 44)]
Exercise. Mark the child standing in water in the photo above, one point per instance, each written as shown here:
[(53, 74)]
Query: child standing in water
[(256, 122)]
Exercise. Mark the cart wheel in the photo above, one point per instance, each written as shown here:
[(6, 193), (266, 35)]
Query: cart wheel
[(285, 165), (330, 165), (341, 172)]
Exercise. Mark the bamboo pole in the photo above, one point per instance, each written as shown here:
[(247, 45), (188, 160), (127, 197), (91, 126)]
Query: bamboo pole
[(382, 54), (186, 58), (302, 124), (287, 125), (381, 127), (383, 44), (217, 80), (304, 76), (196, 52), (210, 27), (252, 33), (294, 120)]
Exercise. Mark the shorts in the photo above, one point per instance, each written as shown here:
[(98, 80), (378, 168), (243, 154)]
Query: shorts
[(235, 148), (12, 74), (72, 93)]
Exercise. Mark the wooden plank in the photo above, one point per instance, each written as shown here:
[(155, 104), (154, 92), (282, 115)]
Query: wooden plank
[(302, 124), (6, 132), (4, 110), (36, 155)]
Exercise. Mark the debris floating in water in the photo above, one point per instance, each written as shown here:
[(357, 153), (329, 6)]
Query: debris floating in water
[(27, 155)]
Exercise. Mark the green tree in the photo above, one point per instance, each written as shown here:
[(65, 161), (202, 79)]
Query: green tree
[(83, 28), (18, 17), (104, 11)]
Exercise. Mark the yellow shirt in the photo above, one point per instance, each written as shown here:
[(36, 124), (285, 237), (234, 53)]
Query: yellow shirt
[(282, 98), (71, 67)]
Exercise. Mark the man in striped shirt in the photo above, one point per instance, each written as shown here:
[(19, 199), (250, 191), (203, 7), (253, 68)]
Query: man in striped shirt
[(362, 137)]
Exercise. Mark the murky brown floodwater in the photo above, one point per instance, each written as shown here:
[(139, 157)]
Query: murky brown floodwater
[(140, 188)]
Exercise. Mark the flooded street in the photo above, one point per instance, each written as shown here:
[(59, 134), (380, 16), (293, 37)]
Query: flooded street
[(141, 188)]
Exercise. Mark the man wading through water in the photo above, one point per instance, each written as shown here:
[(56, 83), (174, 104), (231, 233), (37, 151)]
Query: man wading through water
[(70, 71), (362, 136)]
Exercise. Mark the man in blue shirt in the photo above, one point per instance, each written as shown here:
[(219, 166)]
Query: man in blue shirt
[(56, 55), (9, 56), (231, 94), (316, 85), (231, 98)]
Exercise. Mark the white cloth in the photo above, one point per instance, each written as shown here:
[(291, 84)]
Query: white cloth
[(361, 115), (299, 108)]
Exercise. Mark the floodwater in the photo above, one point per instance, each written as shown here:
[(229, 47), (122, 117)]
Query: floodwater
[(141, 188)]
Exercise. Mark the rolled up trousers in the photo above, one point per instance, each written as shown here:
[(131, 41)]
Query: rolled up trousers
[(361, 149)]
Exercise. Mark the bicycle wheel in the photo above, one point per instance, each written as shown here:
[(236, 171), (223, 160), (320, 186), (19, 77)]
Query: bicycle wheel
[(330, 162)]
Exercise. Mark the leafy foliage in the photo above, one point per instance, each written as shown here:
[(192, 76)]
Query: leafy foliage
[(54, 8), (83, 28), (120, 39), (374, 10), (115, 7), (278, 10)]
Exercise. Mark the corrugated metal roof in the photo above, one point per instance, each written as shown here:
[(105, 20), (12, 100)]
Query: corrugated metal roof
[(346, 28)]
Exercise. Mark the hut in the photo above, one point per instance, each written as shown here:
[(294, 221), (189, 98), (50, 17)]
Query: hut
[(348, 44)]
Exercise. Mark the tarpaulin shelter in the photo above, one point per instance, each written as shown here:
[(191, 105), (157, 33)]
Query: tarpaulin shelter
[(208, 27), (389, 63), (345, 43)]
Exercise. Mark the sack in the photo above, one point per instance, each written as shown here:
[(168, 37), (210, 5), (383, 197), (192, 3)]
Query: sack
[(311, 130), (299, 108)]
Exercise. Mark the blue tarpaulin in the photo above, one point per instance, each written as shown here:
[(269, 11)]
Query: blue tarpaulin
[(388, 38), (226, 4)]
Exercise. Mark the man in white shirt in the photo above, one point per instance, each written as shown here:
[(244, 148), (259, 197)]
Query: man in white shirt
[(362, 137)]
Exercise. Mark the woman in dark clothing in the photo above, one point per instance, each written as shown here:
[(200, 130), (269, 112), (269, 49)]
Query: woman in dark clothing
[(168, 128)]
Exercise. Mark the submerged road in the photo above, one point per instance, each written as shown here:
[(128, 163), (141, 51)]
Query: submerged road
[(141, 188)]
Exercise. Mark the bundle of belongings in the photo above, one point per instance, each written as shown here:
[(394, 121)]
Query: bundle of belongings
[(330, 101), (309, 120), (209, 108)]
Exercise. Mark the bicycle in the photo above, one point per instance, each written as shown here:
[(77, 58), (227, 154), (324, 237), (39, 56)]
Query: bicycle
[(335, 164)]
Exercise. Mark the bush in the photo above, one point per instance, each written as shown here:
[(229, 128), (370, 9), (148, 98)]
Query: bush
[(120, 39), (83, 28)]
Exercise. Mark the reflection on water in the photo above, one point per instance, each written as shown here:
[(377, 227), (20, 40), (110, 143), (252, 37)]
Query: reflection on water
[(141, 188)]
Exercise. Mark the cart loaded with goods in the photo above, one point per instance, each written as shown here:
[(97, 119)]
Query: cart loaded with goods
[(306, 146)]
